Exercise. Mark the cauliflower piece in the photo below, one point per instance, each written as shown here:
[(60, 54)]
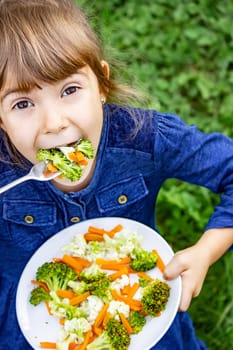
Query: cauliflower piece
[(95, 250), (79, 326), (57, 306), (77, 246), (120, 283), (124, 242), (72, 331), (118, 307), (91, 308)]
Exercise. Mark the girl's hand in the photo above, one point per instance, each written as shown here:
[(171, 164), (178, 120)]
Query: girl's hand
[(193, 263)]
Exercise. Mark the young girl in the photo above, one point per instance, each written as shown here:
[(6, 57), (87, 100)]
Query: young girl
[(55, 88)]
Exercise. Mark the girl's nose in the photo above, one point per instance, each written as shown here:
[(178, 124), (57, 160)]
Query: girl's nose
[(54, 122)]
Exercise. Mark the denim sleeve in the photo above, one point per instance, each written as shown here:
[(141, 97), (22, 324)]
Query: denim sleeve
[(190, 155)]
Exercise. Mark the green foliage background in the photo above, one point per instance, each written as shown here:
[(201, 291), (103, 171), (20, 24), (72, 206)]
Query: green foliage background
[(180, 54)]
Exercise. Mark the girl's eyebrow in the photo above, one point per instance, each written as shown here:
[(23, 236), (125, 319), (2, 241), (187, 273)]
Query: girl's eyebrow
[(9, 92), (16, 90)]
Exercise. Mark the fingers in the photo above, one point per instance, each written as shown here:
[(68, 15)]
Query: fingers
[(188, 292), (175, 267), (192, 271)]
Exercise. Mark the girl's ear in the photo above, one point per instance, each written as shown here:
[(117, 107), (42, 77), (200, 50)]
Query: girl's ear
[(105, 66)]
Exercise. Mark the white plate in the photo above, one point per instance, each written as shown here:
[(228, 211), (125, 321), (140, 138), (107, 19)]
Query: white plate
[(37, 325)]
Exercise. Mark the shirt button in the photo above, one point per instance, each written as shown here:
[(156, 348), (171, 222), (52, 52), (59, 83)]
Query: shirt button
[(75, 219), (29, 219), (122, 199)]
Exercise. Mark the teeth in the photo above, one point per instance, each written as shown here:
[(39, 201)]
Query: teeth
[(75, 143)]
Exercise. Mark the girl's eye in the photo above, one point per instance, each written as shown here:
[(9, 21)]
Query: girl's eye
[(22, 105), (70, 90)]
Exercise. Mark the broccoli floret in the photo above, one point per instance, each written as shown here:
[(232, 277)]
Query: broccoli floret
[(119, 337), (69, 169), (55, 275), (97, 282), (92, 273), (79, 287), (155, 297), (114, 337), (137, 321), (143, 260), (101, 342), (38, 295), (101, 288), (62, 309), (85, 146), (144, 281)]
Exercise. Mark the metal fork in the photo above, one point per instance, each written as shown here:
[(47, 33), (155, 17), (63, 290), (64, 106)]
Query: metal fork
[(37, 172)]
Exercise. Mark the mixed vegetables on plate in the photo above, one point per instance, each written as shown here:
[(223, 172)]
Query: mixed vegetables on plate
[(69, 160), (100, 290)]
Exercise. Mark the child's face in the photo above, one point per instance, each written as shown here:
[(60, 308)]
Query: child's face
[(53, 115)]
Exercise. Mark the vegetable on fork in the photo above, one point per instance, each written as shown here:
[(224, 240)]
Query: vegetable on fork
[(69, 160)]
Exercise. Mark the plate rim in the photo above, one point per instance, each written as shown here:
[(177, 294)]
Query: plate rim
[(86, 222)]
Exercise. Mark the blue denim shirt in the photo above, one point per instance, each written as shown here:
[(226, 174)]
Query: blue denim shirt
[(131, 165)]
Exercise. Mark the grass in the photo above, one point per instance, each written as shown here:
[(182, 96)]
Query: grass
[(180, 54)]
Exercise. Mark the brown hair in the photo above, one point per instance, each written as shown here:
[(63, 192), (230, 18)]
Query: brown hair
[(48, 40)]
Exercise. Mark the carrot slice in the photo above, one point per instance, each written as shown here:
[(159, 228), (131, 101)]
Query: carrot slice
[(134, 304), (84, 262), (97, 330), (62, 321), (111, 233), (116, 229), (126, 323), (107, 317), (117, 296), (48, 307), (41, 284), (52, 168), (133, 290), (83, 162), (47, 345), (125, 290), (79, 155), (93, 229), (115, 267), (93, 237), (160, 264), (77, 300), (64, 293), (119, 273), (72, 346), (125, 260), (100, 317), (69, 260), (85, 342)]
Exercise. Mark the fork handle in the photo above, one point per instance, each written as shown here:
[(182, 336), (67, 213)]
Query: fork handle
[(14, 183)]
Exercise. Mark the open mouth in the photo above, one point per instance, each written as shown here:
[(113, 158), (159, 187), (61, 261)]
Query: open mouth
[(70, 160)]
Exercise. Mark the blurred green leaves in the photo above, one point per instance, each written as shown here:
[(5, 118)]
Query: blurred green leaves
[(180, 51)]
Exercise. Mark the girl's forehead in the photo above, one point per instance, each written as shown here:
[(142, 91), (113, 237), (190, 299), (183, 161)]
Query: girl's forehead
[(11, 84)]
